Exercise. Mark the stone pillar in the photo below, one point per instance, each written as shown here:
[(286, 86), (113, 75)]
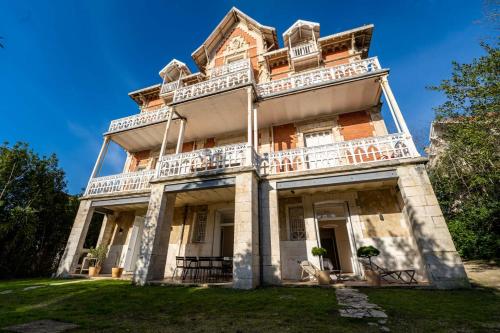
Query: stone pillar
[(442, 262), (76, 239), (246, 232), (270, 234), (108, 223), (311, 230), (155, 236)]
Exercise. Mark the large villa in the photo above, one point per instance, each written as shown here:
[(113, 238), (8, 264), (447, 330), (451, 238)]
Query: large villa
[(268, 148)]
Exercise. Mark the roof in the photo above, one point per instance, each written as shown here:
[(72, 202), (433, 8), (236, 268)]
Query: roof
[(232, 17), (365, 28), (173, 65), (139, 95)]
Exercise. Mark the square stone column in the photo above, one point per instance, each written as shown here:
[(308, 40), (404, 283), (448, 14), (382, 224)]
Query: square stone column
[(311, 230), (108, 224), (271, 255), (155, 236), (442, 262), (246, 232), (76, 239)]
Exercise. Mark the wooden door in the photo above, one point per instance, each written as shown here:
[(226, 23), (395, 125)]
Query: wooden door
[(284, 137)]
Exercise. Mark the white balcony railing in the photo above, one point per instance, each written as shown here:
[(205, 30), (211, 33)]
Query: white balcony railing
[(138, 120), (218, 158), (167, 87), (231, 67), (319, 76), (231, 76), (389, 147), (123, 182), (303, 49)]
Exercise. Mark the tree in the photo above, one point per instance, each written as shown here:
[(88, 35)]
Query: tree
[(467, 172), (36, 214)]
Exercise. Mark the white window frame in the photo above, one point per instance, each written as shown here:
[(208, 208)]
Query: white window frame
[(288, 225), (329, 131)]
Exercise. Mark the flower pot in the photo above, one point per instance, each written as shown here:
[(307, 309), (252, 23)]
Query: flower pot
[(116, 272), (94, 271), (372, 278), (324, 278)]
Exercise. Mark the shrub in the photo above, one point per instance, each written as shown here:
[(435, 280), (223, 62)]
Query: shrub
[(367, 252), (318, 251)]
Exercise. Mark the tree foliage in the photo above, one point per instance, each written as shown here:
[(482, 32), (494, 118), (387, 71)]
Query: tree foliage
[(36, 214), (466, 174)]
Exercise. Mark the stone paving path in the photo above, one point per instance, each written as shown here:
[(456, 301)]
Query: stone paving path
[(355, 305)]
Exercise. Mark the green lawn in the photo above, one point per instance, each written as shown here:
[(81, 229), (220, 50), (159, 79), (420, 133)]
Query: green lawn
[(111, 306)]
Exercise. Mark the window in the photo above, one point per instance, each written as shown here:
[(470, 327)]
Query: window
[(200, 224), (296, 225), (318, 138)]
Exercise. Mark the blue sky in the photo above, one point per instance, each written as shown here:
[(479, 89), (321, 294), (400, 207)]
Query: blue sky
[(67, 66)]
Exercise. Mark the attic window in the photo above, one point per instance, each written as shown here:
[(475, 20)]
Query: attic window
[(235, 58)]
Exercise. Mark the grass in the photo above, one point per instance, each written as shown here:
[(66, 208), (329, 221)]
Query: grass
[(111, 306)]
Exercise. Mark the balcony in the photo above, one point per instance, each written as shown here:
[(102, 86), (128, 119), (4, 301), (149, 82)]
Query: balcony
[(169, 87), (339, 154), (304, 50), (218, 158), (223, 78), (318, 77), (120, 183), (138, 120)]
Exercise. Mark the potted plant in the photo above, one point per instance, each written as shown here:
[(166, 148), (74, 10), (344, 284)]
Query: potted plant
[(99, 254), (116, 270), (369, 252), (323, 275)]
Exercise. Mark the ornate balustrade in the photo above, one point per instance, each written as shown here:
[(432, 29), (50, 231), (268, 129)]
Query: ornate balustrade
[(167, 87), (231, 76), (217, 158), (137, 120), (303, 49), (123, 182), (319, 76), (389, 147)]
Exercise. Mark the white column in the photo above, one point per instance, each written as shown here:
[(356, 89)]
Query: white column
[(100, 157), (165, 135), (255, 130), (180, 141), (249, 154), (393, 105)]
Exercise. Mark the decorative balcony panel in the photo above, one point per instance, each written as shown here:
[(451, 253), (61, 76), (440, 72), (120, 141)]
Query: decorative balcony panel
[(389, 147), (231, 76), (304, 49), (123, 182), (168, 87), (319, 76), (138, 120), (217, 158)]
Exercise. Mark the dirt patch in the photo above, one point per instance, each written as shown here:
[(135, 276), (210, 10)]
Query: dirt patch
[(483, 273)]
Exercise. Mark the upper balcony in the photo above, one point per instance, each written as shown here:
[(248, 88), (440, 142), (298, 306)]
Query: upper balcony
[(201, 162), (223, 78), (140, 131), (319, 77)]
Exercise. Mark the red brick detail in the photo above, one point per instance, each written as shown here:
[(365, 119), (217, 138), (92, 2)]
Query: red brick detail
[(187, 146), (140, 158), (284, 137), (355, 125)]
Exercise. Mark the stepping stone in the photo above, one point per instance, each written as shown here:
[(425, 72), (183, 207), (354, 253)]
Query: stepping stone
[(356, 305), (385, 329), (5, 292), (377, 314), (41, 326)]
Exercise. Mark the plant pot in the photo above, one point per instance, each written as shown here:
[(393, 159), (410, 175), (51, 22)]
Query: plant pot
[(94, 271), (324, 278), (116, 272), (372, 278)]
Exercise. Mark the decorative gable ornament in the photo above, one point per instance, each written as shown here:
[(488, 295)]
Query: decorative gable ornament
[(236, 45)]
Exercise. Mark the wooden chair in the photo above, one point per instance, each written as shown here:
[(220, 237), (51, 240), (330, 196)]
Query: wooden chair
[(308, 270)]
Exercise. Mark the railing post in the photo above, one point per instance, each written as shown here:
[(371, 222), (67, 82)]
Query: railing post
[(98, 162), (249, 126), (393, 105), (165, 135), (180, 140)]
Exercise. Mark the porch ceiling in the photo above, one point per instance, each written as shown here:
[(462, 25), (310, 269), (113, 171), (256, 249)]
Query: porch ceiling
[(205, 197), (213, 115), (339, 188), (334, 99)]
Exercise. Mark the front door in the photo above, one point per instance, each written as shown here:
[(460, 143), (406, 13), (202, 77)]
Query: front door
[(329, 243), (134, 244)]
